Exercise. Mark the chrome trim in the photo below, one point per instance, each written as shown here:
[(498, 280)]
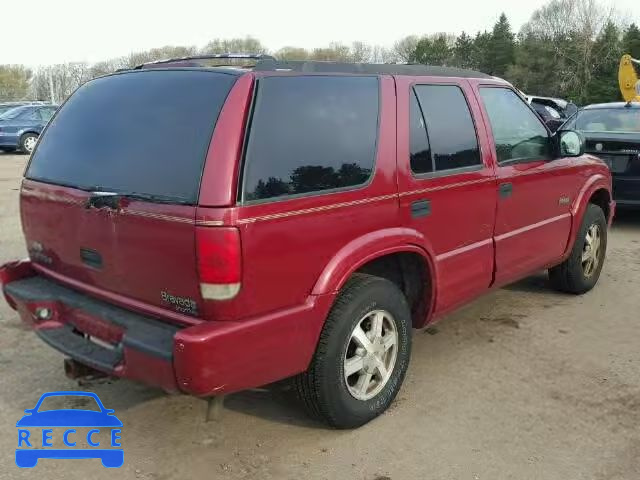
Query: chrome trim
[(542, 223), (466, 248)]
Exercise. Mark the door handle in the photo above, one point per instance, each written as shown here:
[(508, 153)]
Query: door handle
[(506, 189), (420, 208)]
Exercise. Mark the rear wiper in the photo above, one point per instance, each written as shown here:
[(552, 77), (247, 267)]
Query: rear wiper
[(114, 200)]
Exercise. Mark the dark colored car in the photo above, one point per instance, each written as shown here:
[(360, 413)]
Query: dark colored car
[(553, 111), (20, 127), (612, 132), (211, 229)]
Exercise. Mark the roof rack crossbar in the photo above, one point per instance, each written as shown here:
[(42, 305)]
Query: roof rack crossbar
[(212, 56)]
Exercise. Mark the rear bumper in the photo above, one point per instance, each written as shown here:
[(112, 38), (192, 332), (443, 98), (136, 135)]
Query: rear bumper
[(205, 359)]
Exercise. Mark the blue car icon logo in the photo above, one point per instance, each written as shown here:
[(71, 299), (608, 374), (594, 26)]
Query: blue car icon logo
[(33, 446)]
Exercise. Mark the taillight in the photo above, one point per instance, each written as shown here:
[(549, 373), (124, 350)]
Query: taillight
[(219, 262)]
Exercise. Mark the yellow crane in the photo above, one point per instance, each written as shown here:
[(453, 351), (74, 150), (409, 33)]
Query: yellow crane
[(628, 79)]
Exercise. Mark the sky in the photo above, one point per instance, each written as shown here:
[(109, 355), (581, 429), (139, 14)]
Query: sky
[(70, 30)]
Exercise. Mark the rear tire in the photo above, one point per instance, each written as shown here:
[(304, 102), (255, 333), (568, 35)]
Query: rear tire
[(362, 354), (580, 272), (28, 142)]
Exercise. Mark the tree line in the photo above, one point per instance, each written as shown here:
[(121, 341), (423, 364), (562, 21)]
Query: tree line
[(568, 49)]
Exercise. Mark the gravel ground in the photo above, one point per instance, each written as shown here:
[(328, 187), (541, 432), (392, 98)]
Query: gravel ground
[(524, 383)]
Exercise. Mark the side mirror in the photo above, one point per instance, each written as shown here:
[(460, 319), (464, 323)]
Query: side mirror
[(571, 143)]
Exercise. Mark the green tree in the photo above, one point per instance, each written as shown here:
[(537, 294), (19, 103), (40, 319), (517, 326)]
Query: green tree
[(481, 51), (603, 86), (631, 41), (433, 50), (463, 56), (535, 68), (501, 48)]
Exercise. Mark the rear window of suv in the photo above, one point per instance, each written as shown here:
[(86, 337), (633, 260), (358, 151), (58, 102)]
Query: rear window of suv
[(310, 134), (142, 132)]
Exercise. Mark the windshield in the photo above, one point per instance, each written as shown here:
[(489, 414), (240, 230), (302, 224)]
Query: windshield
[(144, 132), (12, 113), (609, 120)]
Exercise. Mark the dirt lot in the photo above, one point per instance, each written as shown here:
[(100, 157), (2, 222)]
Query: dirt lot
[(522, 384)]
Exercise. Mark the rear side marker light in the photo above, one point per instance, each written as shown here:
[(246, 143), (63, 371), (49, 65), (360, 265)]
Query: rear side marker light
[(219, 262)]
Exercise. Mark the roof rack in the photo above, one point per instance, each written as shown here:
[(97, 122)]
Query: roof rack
[(268, 63), (193, 59), (271, 64)]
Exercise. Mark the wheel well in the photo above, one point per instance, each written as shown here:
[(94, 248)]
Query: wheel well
[(601, 198), (409, 271)]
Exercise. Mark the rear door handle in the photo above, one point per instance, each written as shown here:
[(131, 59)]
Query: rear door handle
[(506, 189), (420, 208)]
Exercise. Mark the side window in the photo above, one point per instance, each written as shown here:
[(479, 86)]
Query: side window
[(29, 114), (517, 132), (46, 114), (419, 149), (450, 128), (310, 134)]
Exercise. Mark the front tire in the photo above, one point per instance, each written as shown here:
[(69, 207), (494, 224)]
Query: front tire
[(580, 272), (362, 355), (28, 142)]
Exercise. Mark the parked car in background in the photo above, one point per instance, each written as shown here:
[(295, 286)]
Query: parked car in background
[(6, 106), (231, 228), (553, 111), (20, 127), (612, 132)]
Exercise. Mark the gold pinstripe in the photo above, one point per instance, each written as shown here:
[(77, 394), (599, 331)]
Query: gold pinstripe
[(157, 216), (446, 187), (72, 201), (323, 208), (273, 216)]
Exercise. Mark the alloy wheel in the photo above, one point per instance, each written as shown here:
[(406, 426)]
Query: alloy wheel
[(371, 354)]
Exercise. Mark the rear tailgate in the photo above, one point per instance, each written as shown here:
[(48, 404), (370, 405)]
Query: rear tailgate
[(139, 138)]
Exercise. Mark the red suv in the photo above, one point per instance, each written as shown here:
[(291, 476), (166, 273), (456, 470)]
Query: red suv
[(213, 229)]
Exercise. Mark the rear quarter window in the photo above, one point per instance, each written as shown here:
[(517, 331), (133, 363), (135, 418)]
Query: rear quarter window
[(144, 132), (310, 134)]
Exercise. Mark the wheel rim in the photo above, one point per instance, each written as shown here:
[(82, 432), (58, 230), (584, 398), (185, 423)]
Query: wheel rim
[(371, 354), (591, 250), (30, 143)]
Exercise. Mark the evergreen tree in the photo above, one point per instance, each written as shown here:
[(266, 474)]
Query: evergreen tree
[(434, 50), (631, 41), (502, 47), (481, 52), (463, 52), (603, 83)]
